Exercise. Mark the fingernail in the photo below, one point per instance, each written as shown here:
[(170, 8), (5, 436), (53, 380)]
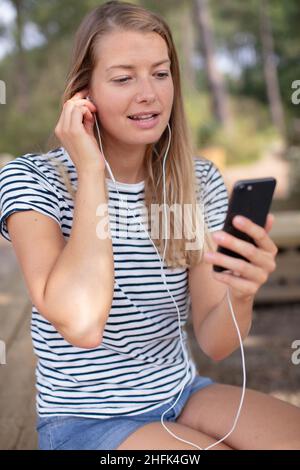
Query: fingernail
[(218, 236)]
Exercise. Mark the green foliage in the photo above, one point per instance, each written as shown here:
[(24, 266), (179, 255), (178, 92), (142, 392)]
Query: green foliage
[(237, 32), (236, 28), (21, 133), (244, 142)]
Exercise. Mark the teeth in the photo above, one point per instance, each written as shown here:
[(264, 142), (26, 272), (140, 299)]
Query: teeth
[(145, 116)]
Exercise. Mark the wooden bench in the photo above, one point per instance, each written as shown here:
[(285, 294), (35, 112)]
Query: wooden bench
[(284, 283)]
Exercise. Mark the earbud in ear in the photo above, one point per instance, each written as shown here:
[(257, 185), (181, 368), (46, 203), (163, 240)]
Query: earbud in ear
[(90, 99)]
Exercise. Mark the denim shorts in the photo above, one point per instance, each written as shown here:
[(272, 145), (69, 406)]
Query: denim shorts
[(76, 433)]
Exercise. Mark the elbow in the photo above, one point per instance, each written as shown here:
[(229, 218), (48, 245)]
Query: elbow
[(211, 352), (82, 334), (211, 355), (82, 339), (91, 341), (82, 325), (212, 349), (216, 355)]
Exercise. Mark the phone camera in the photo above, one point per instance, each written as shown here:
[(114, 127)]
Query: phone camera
[(249, 187)]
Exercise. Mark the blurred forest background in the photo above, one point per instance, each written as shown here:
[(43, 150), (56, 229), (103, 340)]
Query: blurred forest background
[(239, 63)]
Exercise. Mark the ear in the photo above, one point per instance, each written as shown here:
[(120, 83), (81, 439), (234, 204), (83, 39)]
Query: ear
[(90, 99)]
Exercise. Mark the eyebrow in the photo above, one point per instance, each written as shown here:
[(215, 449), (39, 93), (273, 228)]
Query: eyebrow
[(126, 66)]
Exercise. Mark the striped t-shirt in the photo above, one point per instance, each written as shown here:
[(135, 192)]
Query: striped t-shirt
[(139, 364)]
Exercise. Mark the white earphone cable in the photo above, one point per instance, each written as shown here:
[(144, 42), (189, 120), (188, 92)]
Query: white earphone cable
[(161, 261)]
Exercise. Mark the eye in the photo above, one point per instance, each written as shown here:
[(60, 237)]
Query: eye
[(121, 80), (162, 75)]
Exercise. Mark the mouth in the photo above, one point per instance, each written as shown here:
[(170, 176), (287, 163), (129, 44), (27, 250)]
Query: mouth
[(148, 118), (145, 123)]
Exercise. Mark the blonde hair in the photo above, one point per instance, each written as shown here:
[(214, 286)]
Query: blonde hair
[(181, 184)]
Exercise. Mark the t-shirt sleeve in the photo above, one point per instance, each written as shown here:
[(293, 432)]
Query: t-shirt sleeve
[(215, 199), (23, 187)]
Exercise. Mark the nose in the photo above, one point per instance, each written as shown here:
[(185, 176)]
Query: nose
[(146, 91)]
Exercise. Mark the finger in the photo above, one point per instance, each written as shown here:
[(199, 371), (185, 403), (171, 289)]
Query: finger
[(256, 256), (87, 103), (78, 116), (79, 102), (256, 232), (241, 285), (269, 222), (242, 268), (80, 94), (69, 108), (89, 124)]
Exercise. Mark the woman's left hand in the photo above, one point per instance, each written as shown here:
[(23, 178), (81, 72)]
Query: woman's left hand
[(246, 277)]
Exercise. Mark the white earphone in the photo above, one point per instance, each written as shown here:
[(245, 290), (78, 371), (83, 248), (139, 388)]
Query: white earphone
[(165, 282)]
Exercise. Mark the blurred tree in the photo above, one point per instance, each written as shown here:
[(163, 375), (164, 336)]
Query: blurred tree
[(237, 33), (21, 68), (35, 76), (236, 43), (215, 80), (58, 18), (270, 68), (179, 16)]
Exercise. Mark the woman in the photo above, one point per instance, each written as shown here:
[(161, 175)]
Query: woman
[(104, 326)]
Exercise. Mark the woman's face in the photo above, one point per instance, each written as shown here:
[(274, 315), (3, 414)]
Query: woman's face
[(144, 87)]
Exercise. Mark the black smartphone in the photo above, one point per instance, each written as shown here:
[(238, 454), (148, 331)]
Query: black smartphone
[(251, 198)]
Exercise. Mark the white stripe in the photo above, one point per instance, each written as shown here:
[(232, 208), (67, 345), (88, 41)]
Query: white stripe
[(140, 363)]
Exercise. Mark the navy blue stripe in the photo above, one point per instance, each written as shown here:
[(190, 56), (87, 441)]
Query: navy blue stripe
[(141, 343)]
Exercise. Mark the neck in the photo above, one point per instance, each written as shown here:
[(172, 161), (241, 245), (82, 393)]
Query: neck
[(126, 166)]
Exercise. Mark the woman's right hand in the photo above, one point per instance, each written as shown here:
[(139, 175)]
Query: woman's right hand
[(75, 131)]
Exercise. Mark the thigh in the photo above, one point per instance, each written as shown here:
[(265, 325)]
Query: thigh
[(154, 436), (265, 422)]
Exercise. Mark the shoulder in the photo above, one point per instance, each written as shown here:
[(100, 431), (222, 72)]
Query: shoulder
[(211, 192), (202, 166), (208, 175), (29, 182), (42, 167), (36, 161)]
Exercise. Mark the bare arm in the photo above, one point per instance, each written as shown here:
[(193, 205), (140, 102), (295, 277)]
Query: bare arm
[(85, 268), (212, 320), (80, 287), (218, 334), (72, 283), (211, 315)]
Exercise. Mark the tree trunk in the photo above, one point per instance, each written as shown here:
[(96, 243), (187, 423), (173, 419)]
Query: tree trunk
[(270, 69), (187, 41), (21, 68), (215, 79)]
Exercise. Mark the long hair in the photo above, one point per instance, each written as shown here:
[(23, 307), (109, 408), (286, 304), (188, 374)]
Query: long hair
[(182, 189)]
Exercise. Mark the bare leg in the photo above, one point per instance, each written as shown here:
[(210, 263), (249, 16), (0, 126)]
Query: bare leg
[(265, 422), (154, 436)]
